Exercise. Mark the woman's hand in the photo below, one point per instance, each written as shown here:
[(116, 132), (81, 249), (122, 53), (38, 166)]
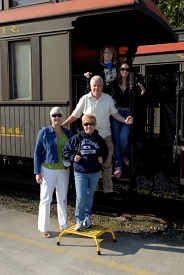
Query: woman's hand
[(77, 158), (142, 88), (100, 160), (129, 120), (39, 179)]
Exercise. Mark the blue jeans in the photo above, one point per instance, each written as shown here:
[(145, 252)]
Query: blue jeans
[(85, 185), (120, 136)]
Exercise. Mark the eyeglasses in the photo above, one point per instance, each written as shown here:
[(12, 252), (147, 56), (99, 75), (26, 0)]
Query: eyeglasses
[(125, 69), (89, 123), (56, 115), (108, 52)]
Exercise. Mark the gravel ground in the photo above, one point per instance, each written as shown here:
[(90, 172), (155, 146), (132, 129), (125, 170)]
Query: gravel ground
[(170, 232)]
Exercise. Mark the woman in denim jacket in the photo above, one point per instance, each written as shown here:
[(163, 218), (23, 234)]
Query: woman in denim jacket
[(51, 172)]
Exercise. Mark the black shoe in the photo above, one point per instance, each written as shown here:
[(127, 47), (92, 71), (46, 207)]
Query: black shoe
[(113, 196)]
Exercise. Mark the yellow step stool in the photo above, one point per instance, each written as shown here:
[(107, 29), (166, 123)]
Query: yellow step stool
[(93, 232)]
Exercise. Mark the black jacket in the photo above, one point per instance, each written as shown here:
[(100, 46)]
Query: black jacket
[(122, 99)]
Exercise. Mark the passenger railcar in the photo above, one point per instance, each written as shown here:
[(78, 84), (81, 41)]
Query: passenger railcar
[(45, 45)]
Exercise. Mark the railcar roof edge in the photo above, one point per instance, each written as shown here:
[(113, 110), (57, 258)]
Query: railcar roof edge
[(74, 6), (144, 10), (151, 49), (63, 8)]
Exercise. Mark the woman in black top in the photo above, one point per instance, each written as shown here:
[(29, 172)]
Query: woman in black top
[(120, 131)]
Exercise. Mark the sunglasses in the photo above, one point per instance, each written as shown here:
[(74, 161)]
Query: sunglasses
[(89, 123), (56, 115), (125, 69)]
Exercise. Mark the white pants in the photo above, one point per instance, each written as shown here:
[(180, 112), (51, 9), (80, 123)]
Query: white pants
[(58, 179)]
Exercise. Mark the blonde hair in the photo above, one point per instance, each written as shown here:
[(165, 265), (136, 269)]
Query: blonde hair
[(88, 116)]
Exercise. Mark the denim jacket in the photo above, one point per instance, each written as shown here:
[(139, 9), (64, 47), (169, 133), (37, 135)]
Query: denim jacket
[(46, 147)]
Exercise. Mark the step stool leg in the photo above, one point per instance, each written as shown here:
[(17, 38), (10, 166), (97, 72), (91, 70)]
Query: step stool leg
[(97, 246), (112, 233), (59, 237)]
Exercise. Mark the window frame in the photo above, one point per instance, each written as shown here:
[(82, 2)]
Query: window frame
[(5, 5), (35, 69), (8, 6), (13, 73)]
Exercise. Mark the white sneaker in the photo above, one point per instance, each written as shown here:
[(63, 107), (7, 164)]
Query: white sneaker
[(87, 223), (79, 226)]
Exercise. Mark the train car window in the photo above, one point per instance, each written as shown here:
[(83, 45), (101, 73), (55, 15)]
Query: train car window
[(181, 37), (20, 70), (1, 6), (15, 3)]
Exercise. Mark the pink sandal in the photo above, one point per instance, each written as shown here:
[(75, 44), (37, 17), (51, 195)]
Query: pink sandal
[(117, 173)]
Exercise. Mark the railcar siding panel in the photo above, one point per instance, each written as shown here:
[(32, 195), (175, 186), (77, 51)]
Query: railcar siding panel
[(32, 129), (3, 140), (18, 131), (21, 151), (37, 119), (4, 70), (14, 123), (27, 131), (55, 67), (43, 115), (35, 68), (8, 142), (20, 125), (0, 75), (158, 58)]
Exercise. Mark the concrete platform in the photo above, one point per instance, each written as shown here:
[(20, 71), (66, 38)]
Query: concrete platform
[(24, 251)]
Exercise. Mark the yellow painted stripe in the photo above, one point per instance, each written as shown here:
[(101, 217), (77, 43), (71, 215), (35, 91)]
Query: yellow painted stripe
[(97, 260), (11, 135)]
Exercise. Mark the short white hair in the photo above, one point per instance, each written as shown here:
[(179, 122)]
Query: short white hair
[(56, 110), (96, 77)]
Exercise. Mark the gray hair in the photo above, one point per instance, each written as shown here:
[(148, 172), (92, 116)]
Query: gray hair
[(55, 110), (96, 77)]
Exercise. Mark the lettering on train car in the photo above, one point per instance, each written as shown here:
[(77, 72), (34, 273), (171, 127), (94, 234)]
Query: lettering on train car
[(10, 132), (181, 56), (9, 29)]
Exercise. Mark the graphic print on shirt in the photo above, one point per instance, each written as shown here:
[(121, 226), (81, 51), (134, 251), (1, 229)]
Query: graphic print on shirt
[(88, 147), (110, 75)]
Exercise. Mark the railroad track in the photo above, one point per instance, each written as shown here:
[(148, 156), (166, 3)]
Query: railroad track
[(9, 184), (130, 202)]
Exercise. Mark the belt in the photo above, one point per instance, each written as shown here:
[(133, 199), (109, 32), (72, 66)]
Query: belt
[(123, 109)]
